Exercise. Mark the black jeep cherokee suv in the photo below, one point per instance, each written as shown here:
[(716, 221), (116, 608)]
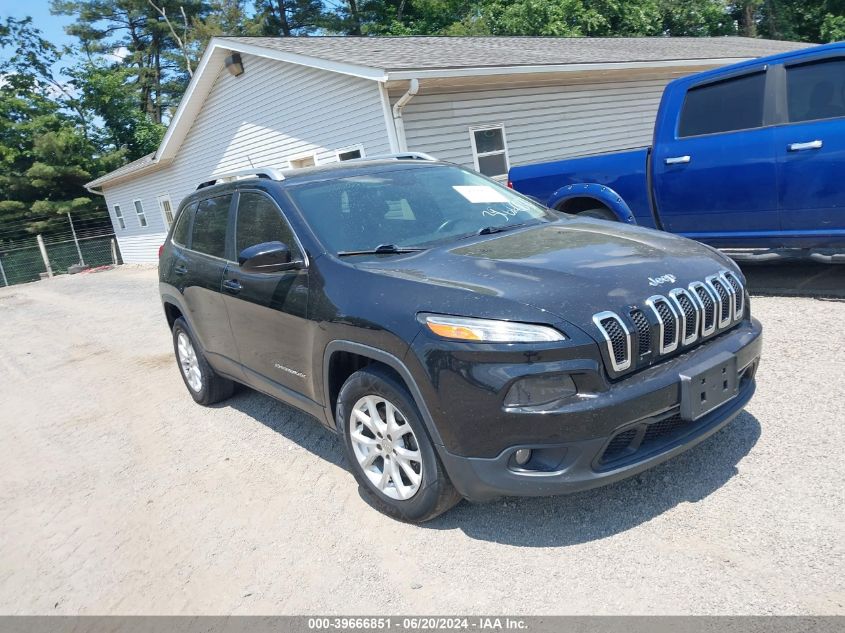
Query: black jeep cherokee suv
[(462, 340)]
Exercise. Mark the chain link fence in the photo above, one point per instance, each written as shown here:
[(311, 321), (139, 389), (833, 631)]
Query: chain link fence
[(22, 262)]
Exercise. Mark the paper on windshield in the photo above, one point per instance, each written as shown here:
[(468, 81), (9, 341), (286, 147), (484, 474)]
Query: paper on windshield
[(481, 194)]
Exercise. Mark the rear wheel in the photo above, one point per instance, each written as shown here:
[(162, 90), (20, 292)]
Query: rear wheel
[(204, 385), (388, 448)]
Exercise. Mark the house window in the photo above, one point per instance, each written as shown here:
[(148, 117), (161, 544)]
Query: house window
[(303, 161), (166, 210), (139, 209), (350, 153), (490, 150), (119, 215)]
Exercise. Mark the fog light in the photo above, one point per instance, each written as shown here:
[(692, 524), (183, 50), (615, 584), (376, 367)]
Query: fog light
[(522, 456), (538, 390)]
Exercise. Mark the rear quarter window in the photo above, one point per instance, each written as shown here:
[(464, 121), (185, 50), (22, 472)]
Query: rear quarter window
[(724, 106)]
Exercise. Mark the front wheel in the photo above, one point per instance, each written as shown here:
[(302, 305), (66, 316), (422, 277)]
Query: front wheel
[(388, 448)]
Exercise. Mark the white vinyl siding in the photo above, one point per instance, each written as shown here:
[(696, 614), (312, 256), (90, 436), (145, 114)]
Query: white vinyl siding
[(265, 117), (140, 248), (542, 122)]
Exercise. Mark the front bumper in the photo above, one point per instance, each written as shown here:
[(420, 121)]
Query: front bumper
[(638, 422)]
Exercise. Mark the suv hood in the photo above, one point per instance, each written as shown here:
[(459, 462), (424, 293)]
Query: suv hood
[(570, 268)]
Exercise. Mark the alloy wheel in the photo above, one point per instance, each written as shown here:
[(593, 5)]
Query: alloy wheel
[(386, 447), (188, 362)]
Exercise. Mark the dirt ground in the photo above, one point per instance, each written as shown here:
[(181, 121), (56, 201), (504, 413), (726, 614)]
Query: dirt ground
[(119, 495)]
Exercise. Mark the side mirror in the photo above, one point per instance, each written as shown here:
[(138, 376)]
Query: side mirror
[(268, 257)]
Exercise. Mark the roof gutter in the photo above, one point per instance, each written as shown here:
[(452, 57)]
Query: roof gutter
[(443, 73), (398, 122)]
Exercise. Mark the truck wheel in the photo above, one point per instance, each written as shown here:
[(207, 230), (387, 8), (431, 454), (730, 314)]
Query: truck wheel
[(601, 213), (388, 448), (205, 386)]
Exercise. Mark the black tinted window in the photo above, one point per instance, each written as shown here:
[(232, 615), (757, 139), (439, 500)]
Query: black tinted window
[(209, 234), (259, 221), (183, 223), (816, 90), (733, 104)]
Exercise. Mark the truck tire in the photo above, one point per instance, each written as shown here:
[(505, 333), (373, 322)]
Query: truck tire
[(388, 448), (204, 385), (601, 213)]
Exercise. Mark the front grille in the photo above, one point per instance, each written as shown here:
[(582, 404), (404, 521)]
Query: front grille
[(643, 331), (689, 313)]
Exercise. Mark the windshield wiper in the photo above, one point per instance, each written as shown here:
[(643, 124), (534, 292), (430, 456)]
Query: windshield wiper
[(489, 230), (381, 249)]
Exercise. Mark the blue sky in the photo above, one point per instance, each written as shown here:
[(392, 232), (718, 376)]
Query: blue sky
[(39, 10)]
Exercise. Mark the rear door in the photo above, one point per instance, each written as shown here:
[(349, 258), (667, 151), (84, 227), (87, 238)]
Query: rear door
[(202, 268), (268, 311), (714, 175), (811, 148)]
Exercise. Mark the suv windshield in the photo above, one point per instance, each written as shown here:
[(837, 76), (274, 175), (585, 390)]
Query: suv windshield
[(410, 207)]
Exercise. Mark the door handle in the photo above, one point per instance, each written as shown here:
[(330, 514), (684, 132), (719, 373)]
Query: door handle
[(677, 160), (797, 147), (232, 285), (179, 269)]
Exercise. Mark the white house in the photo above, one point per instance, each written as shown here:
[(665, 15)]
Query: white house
[(487, 103)]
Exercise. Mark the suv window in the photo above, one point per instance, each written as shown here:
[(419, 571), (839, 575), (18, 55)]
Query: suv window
[(183, 224), (816, 90), (209, 234), (259, 221), (724, 106)]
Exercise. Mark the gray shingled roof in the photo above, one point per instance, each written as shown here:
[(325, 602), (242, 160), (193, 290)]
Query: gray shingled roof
[(412, 53)]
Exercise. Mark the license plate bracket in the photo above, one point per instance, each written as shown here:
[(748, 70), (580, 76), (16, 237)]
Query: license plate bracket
[(708, 386)]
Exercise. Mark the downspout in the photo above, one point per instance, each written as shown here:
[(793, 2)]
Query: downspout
[(398, 123)]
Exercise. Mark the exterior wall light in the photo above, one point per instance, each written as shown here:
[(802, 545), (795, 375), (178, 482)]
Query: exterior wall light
[(234, 64)]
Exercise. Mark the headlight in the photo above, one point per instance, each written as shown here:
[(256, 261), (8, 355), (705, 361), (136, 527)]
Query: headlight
[(489, 331)]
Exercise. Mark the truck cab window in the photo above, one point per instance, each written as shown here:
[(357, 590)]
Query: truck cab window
[(724, 106), (816, 90)]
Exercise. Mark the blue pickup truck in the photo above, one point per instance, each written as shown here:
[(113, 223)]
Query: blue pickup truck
[(747, 156)]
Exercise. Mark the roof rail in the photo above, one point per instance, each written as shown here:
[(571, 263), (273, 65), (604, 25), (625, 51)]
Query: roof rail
[(255, 172), (400, 156)]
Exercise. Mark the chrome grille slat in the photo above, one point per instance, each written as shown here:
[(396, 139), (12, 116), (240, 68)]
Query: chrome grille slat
[(724, 308), (739, 294), (669, 322), (617, 339), (689, 314), (708, 303), (643, 331)]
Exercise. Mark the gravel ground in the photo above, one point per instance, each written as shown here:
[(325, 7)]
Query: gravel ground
[(119, 495)]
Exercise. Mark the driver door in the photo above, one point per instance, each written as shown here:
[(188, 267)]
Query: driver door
[(268, 311)]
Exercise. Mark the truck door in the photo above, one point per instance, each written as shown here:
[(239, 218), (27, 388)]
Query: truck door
[(811, 149), (714, 174)]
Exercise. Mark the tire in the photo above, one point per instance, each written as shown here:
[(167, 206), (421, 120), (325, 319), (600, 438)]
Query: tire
[(600, 213), (204, 385), (405, 442)]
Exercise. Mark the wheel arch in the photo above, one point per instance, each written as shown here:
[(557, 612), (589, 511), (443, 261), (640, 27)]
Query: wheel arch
[(580, 197), (362, 356)]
